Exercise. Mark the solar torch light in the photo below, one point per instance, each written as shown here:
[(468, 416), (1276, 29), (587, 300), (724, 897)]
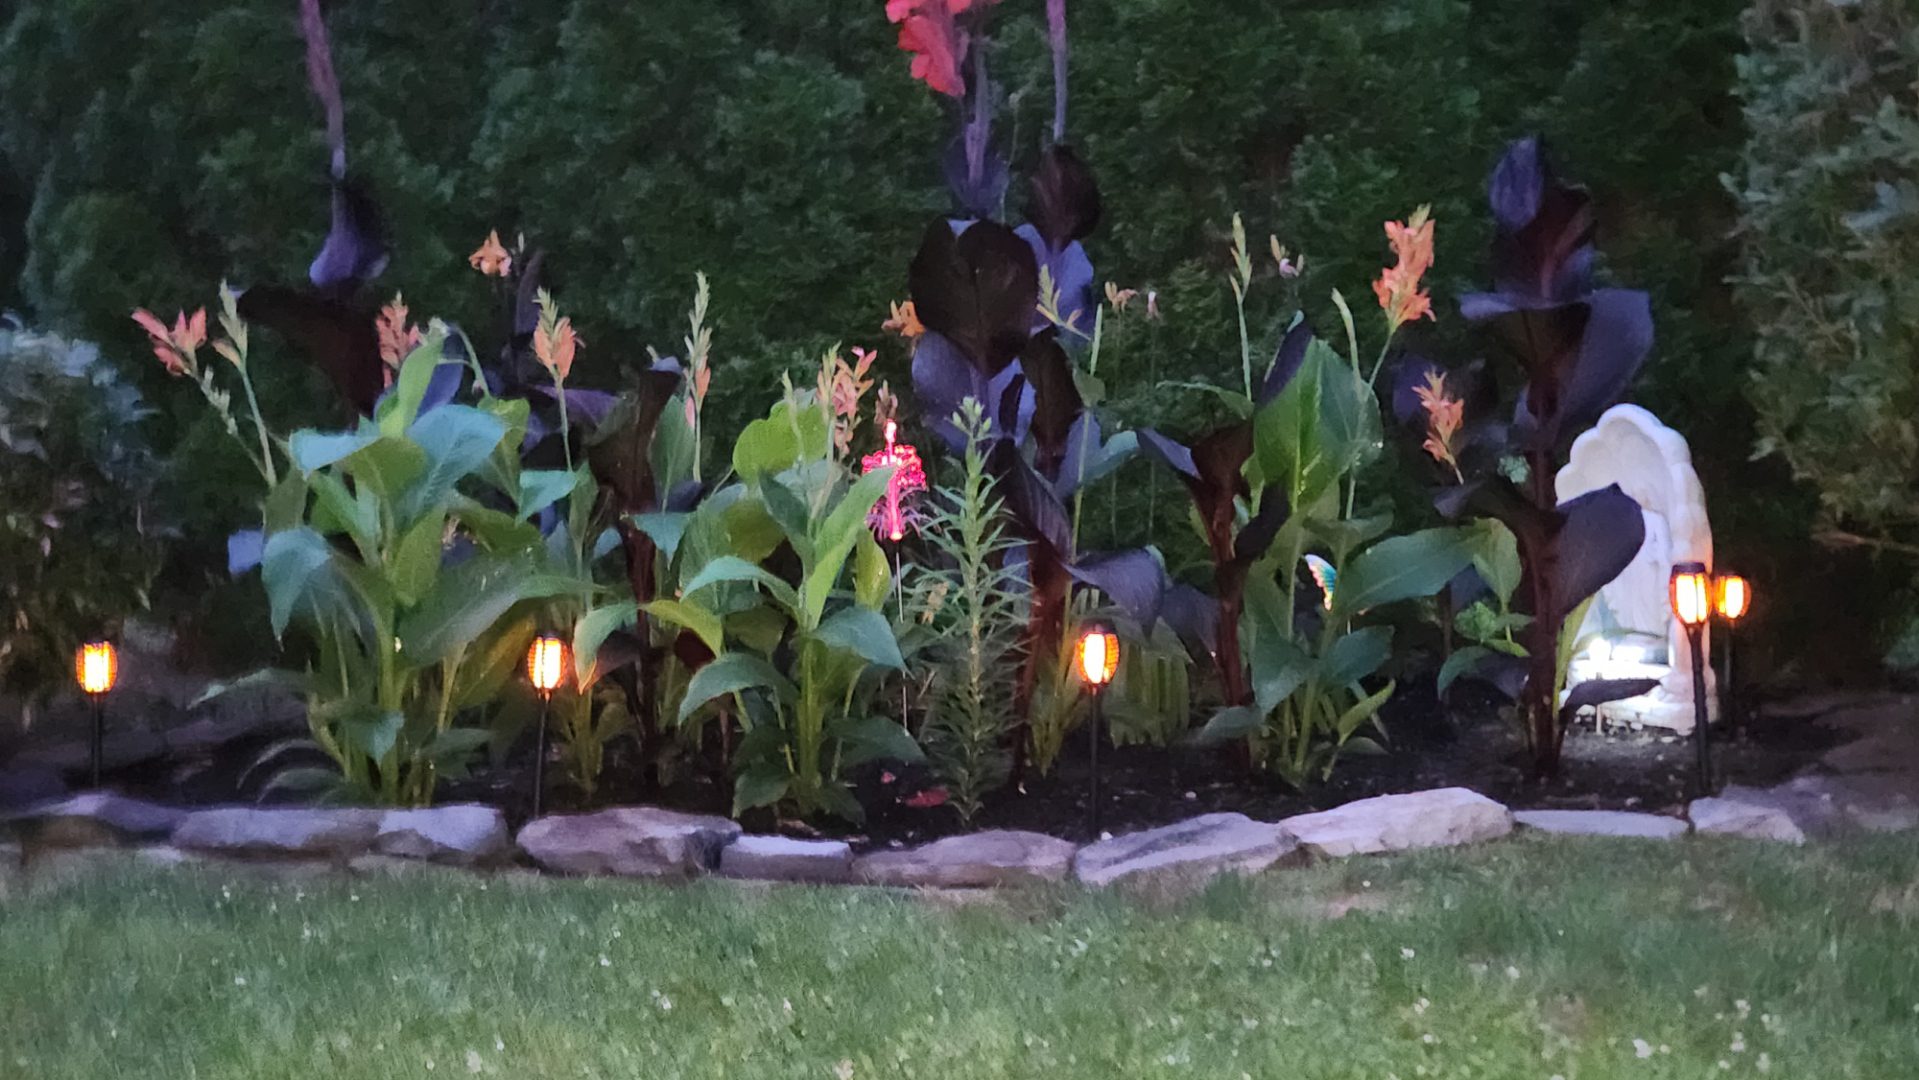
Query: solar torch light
[(97, 667), (1097, 658), (1691, 592), (1731, 599), (546, 661)]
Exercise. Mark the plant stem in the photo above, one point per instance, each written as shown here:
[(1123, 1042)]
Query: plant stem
[(260, 427)]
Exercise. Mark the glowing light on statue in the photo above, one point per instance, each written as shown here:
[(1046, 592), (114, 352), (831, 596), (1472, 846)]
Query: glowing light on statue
[(893, 514)]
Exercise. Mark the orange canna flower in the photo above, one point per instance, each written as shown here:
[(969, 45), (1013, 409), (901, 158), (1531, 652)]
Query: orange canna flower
[(1444, 416), (701, 378), (397, 337), (176, 346), (1398, 286), (841, 386), (554, 341), (1119, 297), (492, 258), (555, 348), (905, 321)]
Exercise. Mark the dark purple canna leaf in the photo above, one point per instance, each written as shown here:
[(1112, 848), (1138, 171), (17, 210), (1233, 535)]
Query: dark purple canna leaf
[(355, 251), (1619, 337), (1599, 691), (1087, 457), (1134, 581), (980, 195), (1168, 452), (1065, 204), (1543, 247), (621, 453), (943, 378), (978, 289), (1259, 531), (1598, 536), (1038, 514), (1194, 616), (1287, 361), (1072, 277), (337, 337), (1056, 400)]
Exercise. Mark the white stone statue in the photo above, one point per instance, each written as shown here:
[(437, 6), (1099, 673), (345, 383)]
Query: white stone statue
[(1630, 628)]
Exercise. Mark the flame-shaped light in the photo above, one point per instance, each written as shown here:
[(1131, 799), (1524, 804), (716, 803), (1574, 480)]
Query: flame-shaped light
[(546, 662), (96, 667), (1691, 593)]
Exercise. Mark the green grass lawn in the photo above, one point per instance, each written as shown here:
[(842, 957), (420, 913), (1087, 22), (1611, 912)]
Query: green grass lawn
[(1530, 958)]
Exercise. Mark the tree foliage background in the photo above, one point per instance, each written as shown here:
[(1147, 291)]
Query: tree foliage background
[(147, 151)]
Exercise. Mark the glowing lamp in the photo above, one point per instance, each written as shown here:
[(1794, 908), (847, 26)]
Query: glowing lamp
[(1732, 597), (1097, 657), (1691, 593), (96, 667), (546, 663), (1692, 603)]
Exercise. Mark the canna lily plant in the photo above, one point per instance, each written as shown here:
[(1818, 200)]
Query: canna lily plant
[(1273, 491), (1578, 346), (781, 579)]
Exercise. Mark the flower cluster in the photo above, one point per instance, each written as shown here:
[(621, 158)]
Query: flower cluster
[(1398, 286), (554, 341), (1444, 415), (841, 386), (492, 258), (398, 337), (905, 322), (929, 29), (176, 347)]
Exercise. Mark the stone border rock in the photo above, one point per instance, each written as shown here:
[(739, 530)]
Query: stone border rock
[(648, 842)]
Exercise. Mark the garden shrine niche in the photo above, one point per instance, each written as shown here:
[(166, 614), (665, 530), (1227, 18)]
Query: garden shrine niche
[(1629, 631)]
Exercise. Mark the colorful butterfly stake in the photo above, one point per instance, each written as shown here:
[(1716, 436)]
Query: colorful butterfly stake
[(1327, 577), (891, 515)]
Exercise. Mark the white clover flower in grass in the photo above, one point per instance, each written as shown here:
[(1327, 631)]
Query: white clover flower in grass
[(1406, 954), (1641, 1049)]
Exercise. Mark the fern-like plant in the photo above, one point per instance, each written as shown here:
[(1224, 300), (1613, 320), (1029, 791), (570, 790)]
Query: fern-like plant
[(979, 611)]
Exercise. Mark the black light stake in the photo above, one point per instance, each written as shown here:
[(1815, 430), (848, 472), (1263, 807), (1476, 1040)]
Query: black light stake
[(1098, 660), (1691, 594), (97, 667), (545, 668)]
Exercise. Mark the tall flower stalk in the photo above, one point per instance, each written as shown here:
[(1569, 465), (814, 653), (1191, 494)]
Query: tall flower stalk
[(554, 343), (178, 348)]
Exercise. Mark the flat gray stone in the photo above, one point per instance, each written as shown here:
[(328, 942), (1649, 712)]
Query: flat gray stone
[(1187, 855), (459, 835), (631, 841), (1732, 814), (974, 861), (1602, 823), (98, 819), (1442, 817), (781, 858), (247, 832)]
